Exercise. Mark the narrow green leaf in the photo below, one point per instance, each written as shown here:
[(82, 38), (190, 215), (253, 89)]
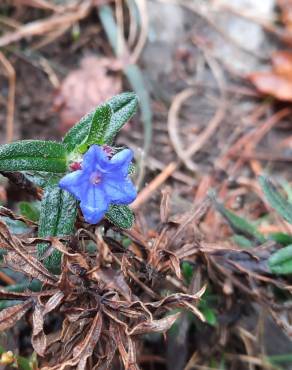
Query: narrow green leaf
[(281, 238), (57, 218), (275, 199), (280, 262), (100, 122), (123, 107), (78, 133), (240, 225), (35, 155), (15, 226), (187, 271), (34, 285), (242, 241), (210, 315), (120, 216), (29, 210)]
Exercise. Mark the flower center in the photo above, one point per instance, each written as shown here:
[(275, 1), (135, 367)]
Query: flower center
[(95, 178)]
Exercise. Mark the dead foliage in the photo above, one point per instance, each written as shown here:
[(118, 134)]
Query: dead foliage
[(110, 297), (278, 82), (85, 88), (104, 297)]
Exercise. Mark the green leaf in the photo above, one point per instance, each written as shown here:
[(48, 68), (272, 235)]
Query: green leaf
[(240, 225), (281, 238), (242, 241), (15, 226), (123, 107), (187, 271), (34, 285), (120, 216), (275, 199), (42, 179), (210, 315), (78, 133), (100, 122), (57, 218), (36, 155), (29, 210), (280, 262)]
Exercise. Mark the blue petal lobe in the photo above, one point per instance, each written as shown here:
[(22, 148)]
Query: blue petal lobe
[(120, 192), (95, 158), (75, 183), (94, 204), (122, 160)]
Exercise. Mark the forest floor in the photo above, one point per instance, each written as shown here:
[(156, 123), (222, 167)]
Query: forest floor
[(219, 78)]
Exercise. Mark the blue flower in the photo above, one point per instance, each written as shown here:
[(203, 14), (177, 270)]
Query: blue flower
[(101, 182)]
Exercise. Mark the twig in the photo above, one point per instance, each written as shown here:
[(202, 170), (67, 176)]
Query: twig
[(11, 96), (185, 154), (6, 279), (141, 5), (41, 27), (146, 193)]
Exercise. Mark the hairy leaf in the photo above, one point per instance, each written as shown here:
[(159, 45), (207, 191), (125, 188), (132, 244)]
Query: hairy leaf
[(275, 199), (121, 216), (123, 107), (240, 225), (36, 155), (100, 122), (57, 218)]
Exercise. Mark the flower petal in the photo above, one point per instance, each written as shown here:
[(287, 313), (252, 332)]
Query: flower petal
[(94, 204), (120, 192), (95, 158), (122, 160), (75, 183)]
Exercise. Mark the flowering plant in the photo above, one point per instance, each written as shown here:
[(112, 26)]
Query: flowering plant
[(84, 167)]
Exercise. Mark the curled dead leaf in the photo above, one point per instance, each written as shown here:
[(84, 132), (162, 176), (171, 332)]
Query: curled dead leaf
[(30, 266), (155, 326), (9, 316)]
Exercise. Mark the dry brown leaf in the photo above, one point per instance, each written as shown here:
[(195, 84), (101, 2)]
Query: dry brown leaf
[(155, 326), (84, 349), (40, 27), (278, 82), (272, 84), (113, 279), (53, 302), (286, 13), (9, 316), (18, 258), (4, 294), (30, 266), (282, 63), (85, 88), (8, 213), (182, 300), (38, 339)]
